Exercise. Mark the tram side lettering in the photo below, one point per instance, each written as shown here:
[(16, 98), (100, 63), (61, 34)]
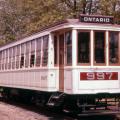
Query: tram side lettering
[(99, 76)]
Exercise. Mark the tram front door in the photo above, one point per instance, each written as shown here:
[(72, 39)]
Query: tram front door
[(61, 62)]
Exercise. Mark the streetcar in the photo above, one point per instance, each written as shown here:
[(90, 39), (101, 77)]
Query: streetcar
[(73, 64)]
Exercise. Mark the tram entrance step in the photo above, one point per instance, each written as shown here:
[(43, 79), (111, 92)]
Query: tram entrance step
[(56, 99)]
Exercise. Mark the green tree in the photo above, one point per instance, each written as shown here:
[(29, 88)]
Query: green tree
[(22, 17)]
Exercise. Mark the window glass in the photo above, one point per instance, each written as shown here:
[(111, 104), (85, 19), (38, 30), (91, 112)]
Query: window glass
[(22, 48), (33, 46), (32, 60), (0, 60), (68, 47), (61, 49), (27, 52), (99, 47), (22, 62), (113, 47), (13, 58), (10, 58), (6, 63), (32, 57), (83, 47), (17, 56), (22, 56), (45, 50), (55, 50), (3, 59), (38, 51)]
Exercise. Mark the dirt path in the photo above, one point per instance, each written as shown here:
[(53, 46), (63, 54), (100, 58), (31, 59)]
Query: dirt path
[(11, 112)]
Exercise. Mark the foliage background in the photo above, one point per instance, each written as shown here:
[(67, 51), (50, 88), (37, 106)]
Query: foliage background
[(19, 18)]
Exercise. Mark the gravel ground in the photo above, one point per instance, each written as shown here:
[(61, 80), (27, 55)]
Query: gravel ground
[(25, 112), (13, 112)]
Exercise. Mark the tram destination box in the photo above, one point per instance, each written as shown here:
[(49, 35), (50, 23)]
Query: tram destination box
[(96, 19)]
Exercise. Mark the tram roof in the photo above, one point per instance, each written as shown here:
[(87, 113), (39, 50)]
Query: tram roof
[(64, 24)]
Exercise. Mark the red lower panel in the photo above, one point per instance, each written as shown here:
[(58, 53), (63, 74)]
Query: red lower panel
[(99, 76)]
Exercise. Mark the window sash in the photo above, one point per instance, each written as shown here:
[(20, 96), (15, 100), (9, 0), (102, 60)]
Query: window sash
[(68, 47), (83, 47), (114, 48), (99, 48)]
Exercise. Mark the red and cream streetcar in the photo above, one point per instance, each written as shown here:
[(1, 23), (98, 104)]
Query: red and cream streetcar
[(73, 64)]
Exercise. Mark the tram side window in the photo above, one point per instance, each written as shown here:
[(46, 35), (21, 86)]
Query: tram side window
[(22, 62), (17, 56), (113, 47), (6, 63), (68, 46), (13, 58), (4, 55), (83, 47), (45, 50), (3, 59), (0, 60), (10, 58), (22, 56), (27, 52), (32, 57), (55, 49), (99, 47), (38, 51)]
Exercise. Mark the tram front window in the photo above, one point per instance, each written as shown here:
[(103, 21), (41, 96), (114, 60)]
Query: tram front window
[(99, 47), (113, 47), (83, 47), (68, 47)]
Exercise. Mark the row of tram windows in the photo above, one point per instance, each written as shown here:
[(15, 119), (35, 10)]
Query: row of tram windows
[(63, 47), (85, 50), (100, 46), (34, 53), (29, 54)]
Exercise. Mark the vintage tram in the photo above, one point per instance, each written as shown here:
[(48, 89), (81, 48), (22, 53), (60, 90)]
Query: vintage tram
[(73, 64)]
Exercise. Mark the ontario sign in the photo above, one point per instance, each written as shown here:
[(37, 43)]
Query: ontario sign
[(96, 19)]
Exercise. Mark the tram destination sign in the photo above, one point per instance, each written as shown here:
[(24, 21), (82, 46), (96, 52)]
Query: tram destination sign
[(96, 19)]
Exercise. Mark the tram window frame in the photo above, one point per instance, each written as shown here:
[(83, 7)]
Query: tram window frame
[(45, 47), (10, 58), (0, 60), (99, 63), (32, 53), (55, 50), (6, 60), (22, 61), (38, 51), (17, 56), (32, 60), (13, 57), (118, 47), (27, 54), (22, 56), (3, 60), (86, 63), (68, 48)]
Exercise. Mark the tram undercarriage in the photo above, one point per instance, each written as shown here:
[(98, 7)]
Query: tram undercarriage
[(93, 103), (64, 102)]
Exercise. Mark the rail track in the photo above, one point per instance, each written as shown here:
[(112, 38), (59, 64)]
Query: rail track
[(12, 110)]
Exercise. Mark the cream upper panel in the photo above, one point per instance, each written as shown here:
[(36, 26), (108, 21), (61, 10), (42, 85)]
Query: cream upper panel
[(70, 23)]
